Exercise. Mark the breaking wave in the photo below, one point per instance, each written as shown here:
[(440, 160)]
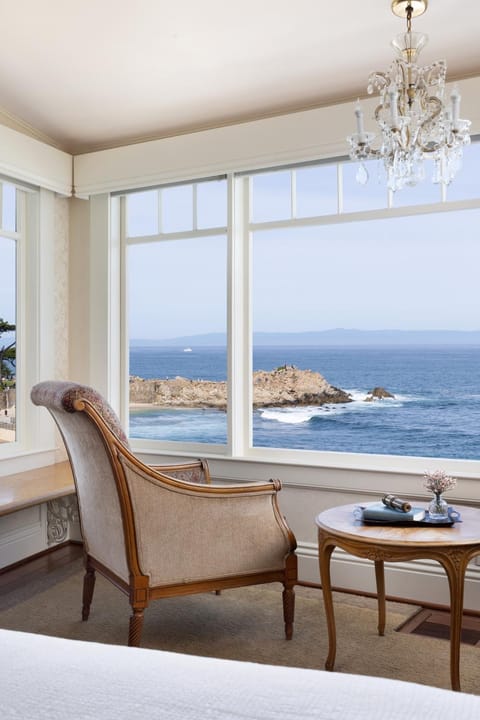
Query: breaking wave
[(299, 414)]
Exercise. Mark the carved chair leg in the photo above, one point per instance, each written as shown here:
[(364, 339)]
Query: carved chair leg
[(136, 627), (88, 587), (288, 610)]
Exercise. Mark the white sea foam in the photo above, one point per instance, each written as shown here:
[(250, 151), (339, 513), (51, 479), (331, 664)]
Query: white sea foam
[(303, 414), (360, 395), (292, 416)]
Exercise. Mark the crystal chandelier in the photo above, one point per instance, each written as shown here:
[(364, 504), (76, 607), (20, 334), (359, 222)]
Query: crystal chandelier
[(414, 119)]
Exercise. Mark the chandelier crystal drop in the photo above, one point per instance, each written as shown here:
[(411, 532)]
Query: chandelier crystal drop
[(415, 120)]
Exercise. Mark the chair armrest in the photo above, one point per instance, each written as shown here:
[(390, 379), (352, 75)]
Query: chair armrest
[(173, 476), (187, 532), (194, 472)]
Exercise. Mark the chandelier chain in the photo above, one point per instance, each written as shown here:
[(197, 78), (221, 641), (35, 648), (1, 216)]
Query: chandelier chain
[(409, 18)]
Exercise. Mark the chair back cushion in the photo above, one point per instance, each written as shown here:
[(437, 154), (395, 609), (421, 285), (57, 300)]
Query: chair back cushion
[(98, 498)]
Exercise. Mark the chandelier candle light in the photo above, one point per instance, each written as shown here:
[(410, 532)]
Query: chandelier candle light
[(413, 117)]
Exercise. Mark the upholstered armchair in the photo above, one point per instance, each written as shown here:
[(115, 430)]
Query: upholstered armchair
[(163, 531)]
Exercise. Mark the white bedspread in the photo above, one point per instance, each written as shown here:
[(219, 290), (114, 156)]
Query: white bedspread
[(47, 678)]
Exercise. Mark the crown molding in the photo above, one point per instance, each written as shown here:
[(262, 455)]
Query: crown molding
[(78, 147), (15, 123)]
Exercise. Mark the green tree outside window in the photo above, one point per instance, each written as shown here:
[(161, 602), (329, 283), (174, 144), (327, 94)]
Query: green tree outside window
[(7, 357)]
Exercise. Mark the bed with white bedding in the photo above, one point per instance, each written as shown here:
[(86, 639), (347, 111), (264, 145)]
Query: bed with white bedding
[(46, 678)]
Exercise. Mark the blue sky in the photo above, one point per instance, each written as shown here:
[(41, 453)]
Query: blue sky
[(408, 273)]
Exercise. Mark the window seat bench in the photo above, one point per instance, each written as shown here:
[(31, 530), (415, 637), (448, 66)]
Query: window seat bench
[(33, 487)]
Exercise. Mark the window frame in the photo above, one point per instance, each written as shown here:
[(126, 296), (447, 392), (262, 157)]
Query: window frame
[(18, 237), (35, 319), (127, 241), (239, 337)]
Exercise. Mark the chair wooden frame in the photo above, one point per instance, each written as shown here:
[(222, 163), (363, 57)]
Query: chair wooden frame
[(139, 589)]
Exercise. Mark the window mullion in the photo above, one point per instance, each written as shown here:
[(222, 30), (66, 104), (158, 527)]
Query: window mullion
[(194, 207), (293, 194), (339, 188), (239, 325)]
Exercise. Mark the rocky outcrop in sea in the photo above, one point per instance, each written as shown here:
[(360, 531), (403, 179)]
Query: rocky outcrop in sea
[(378, 393), (284, 386)]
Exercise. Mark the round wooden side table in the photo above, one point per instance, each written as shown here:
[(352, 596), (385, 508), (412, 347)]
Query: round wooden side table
[(453, 547)]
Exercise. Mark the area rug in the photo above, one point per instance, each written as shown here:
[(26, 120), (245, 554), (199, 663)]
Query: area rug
[(242, 624)]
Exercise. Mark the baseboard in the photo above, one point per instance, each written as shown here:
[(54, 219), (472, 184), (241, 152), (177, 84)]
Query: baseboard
[(421, 582), (22, 534), (36, 556)]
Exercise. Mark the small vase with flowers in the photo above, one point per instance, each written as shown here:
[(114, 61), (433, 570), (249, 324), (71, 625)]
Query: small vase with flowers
[(438, 482)]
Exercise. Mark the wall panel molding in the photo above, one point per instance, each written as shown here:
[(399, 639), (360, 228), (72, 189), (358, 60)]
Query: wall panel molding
[(22, 534), (419, 581)]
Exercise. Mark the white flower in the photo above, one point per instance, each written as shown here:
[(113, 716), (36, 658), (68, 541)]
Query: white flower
[(438, 481)]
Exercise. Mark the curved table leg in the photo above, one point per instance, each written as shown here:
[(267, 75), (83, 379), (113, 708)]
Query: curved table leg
[(380, 579), (324, 554), (455, 566)]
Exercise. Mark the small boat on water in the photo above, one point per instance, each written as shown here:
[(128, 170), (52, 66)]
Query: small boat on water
[(187, 349)]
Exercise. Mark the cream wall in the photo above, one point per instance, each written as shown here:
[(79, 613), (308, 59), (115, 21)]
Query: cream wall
[(79, 288), (31, 161), (61, 224)]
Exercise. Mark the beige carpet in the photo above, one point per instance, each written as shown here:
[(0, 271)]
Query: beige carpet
[(244, 624)]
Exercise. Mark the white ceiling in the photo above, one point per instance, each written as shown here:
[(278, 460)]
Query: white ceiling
[(98, 73)]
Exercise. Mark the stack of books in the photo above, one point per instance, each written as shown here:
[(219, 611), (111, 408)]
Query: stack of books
[(378, 512)]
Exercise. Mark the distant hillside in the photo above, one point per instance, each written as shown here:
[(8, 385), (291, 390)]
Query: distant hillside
[(335, 337)]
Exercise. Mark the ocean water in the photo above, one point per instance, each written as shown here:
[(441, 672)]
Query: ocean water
[(435, 411)]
